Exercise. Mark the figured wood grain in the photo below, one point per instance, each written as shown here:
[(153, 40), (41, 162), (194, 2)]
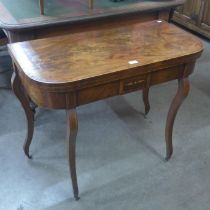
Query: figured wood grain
[(88, 56)]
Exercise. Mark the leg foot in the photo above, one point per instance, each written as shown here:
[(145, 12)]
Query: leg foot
[(71, 138), (76, 197), (21, 95), (168, 156), (182, 92)]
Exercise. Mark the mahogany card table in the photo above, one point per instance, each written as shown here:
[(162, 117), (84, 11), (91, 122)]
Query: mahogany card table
[(68, 71)]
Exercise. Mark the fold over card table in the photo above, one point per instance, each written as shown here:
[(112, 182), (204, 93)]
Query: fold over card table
[(68, 71)]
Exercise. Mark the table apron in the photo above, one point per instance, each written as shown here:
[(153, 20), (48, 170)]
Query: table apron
[(58, 100)]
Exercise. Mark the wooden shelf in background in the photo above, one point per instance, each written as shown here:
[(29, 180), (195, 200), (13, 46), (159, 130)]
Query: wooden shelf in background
[(194, 15)]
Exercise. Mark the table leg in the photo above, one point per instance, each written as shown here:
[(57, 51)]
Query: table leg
[(41, 4), (145, 96), (182, 92), (19, 92), (72, 127)]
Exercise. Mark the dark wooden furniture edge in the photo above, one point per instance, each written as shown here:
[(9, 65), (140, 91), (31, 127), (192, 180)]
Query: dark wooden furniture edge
[(66, 20)]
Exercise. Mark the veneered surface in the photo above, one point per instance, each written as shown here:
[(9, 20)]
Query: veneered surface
[(76, 57), (21, 14)]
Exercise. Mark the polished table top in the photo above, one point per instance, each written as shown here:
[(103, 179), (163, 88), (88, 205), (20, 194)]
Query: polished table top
[(85, 58), (20, 14)]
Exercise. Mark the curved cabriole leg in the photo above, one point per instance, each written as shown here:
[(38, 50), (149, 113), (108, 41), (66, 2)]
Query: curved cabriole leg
[(145, 96), (72, 127), (182, 92), (19, 92)]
